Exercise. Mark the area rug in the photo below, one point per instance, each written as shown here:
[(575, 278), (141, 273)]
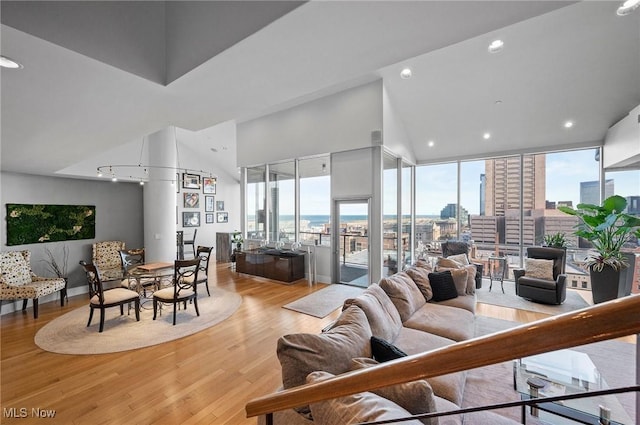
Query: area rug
[(509, 299), (614, 360), (69, 334), (322, 302)]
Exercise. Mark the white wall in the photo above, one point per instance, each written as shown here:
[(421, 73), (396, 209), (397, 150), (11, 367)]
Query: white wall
[(335, 123), (394, 134), (622, 143), (119, 216)]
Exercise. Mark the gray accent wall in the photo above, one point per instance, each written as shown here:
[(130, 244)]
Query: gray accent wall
[(119, 216)]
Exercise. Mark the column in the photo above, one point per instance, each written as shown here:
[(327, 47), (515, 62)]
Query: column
[(160, 198)]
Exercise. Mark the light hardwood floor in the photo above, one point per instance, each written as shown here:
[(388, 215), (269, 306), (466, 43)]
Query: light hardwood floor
[(206, 378)]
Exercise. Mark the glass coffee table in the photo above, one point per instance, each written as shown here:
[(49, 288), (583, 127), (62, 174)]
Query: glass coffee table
[(566, 372)]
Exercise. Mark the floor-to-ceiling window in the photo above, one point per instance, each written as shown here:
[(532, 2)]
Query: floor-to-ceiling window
[(315, 200), (407, 213), (256, 202), (282, 202), (390, 213)]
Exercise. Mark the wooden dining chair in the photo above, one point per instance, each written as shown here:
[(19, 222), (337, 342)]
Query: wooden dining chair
[(132, 258), (103, 299), (185, 287), (203, 253)]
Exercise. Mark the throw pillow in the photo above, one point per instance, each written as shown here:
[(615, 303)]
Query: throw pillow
[(471, 278), (424, 264), (460, 278), (416, 397), (540, 269), (383, 350), (404, 294), (355, 408), (420, 277), (382, 315), (460, 258), (447, 263), (332, 351), (443, 286)]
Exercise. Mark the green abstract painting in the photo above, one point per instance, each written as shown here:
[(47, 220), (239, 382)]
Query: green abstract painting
[(28, 224)]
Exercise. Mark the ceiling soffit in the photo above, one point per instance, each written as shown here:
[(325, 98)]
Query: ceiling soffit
[(156, 40)]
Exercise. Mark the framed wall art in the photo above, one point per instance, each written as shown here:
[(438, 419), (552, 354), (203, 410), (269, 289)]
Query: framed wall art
[(191, 200), (222, 217), (208, 203), (190, 181), (219, 205), (209, 185), (208, 218), (190, 219)]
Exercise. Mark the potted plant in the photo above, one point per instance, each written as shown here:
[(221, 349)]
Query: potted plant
[(608, 228), (236, 238), (555, 240)]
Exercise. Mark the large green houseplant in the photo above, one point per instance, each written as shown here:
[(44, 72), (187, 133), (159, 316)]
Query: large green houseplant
[(608, 228)]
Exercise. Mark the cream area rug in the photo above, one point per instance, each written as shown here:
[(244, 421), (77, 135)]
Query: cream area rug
[(509, 299), (322, 302), (69, 334)]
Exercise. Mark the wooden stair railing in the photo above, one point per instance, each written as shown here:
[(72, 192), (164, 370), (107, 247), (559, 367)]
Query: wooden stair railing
[(601, 322)]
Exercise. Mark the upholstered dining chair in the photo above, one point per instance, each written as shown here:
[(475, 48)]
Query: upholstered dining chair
[(543, 278), (185, 287), (203, 253), (102, 299), (460, 247), (106, 256)]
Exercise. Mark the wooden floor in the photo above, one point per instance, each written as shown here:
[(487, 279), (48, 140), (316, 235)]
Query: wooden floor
[(206, 378)]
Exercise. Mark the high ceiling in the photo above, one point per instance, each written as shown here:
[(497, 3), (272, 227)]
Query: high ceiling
[(99, 76)]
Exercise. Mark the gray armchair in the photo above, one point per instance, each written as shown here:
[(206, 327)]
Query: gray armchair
[(546, 291)]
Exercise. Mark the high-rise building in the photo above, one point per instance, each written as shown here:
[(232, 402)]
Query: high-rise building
[(451, 211), (633, 205), (502, 184), (590, 191), (483, 184)]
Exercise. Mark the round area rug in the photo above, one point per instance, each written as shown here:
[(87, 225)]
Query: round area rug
[(69, 334)]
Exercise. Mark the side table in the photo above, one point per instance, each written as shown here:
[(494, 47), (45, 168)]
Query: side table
[(497, 270)]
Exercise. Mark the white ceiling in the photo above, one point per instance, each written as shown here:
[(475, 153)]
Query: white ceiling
[(561, 61)]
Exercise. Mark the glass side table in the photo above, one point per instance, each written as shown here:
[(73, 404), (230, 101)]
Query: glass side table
[(497, 270)]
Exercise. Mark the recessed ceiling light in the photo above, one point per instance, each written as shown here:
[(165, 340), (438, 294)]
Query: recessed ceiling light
[(628, 7), (496, 46), (141, 183), (486, 136), (568, 124), (498, 102), (406, 73), (114, 179), (6, 62), (214, 150), (431, 143)]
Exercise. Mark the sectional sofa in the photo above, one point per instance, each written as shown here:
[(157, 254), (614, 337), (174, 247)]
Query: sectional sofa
[(410, 312)]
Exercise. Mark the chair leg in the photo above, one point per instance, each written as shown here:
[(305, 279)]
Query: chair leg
[(102, 319), (35, 308), (155, 308), (206, 285), (175, 307), (90, 316), (195, 304), (24, 304), (137, 305), (121, 309), (63, 295)]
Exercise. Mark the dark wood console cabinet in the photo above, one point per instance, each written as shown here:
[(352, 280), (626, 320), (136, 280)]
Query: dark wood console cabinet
[(286, 268)]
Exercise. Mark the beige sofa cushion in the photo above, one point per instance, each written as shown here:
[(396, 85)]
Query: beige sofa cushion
[(453, 323), (331, 351), (453, 262), (382, 315), (404, 294), (416, 397), (361, 407), (413, 341)]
